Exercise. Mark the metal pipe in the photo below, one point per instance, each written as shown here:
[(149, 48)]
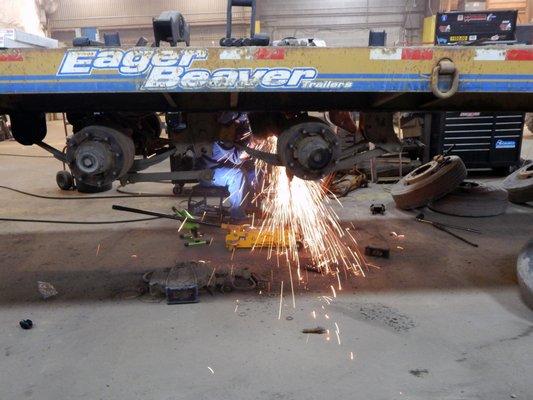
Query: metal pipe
[(160, 215)]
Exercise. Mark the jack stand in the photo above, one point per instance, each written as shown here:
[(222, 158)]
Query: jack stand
[(190, 224)]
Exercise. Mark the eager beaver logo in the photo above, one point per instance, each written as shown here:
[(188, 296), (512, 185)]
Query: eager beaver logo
[(170, 69)]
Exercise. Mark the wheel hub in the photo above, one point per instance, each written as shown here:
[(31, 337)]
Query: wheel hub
[(425, 170), (309, 149), (94, 157), (97, 155)]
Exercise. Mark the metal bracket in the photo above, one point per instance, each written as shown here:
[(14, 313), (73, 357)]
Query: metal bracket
[(59, 155), (269, 158), (139, 165), (444, 67), (175, 176)]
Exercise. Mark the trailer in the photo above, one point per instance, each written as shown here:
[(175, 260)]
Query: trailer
[(266, 78), (111, 96)]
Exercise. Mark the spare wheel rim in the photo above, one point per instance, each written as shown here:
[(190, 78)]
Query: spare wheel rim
[(421, 173)]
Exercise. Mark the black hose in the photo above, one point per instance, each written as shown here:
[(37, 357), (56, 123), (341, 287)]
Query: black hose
[(58, 221), (123, 196)]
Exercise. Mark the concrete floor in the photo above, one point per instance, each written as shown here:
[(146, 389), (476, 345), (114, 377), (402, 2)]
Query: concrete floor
[(439, 319)]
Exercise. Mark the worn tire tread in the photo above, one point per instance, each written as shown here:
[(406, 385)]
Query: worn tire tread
[(524, 273)]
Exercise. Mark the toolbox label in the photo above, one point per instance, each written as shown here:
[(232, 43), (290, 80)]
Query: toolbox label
[(460, 38), (169, 69), (505, 144)]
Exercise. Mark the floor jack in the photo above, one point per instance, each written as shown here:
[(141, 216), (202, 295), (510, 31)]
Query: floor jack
[(249, 237)]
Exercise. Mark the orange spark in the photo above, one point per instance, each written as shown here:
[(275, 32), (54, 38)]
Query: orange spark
[(280, 300), (300, 215)]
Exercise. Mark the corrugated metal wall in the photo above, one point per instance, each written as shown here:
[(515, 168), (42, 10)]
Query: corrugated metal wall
[(339, 22), (343, 22), (21, 14), (119, 13), (133, 18)]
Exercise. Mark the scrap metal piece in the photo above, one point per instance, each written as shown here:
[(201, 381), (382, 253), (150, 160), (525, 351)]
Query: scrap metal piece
[(313, 268), (377, 209), (372, 251), (318, 330), (26, 324), (46, 289), (197, 242)]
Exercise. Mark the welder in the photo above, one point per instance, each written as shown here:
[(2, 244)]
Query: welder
[(232, 167)]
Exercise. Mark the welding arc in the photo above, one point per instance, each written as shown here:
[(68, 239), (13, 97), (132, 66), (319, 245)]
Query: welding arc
[(160, 215)]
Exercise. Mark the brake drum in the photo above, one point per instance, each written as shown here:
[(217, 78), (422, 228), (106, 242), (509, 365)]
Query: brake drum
[(98, 155)]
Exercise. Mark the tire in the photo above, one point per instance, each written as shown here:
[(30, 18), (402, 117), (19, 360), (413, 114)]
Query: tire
[(429, 182), (28, 128), (64, 180), (84, 188), (177, 189), (524, 273), (472, 199), (519, 185)]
